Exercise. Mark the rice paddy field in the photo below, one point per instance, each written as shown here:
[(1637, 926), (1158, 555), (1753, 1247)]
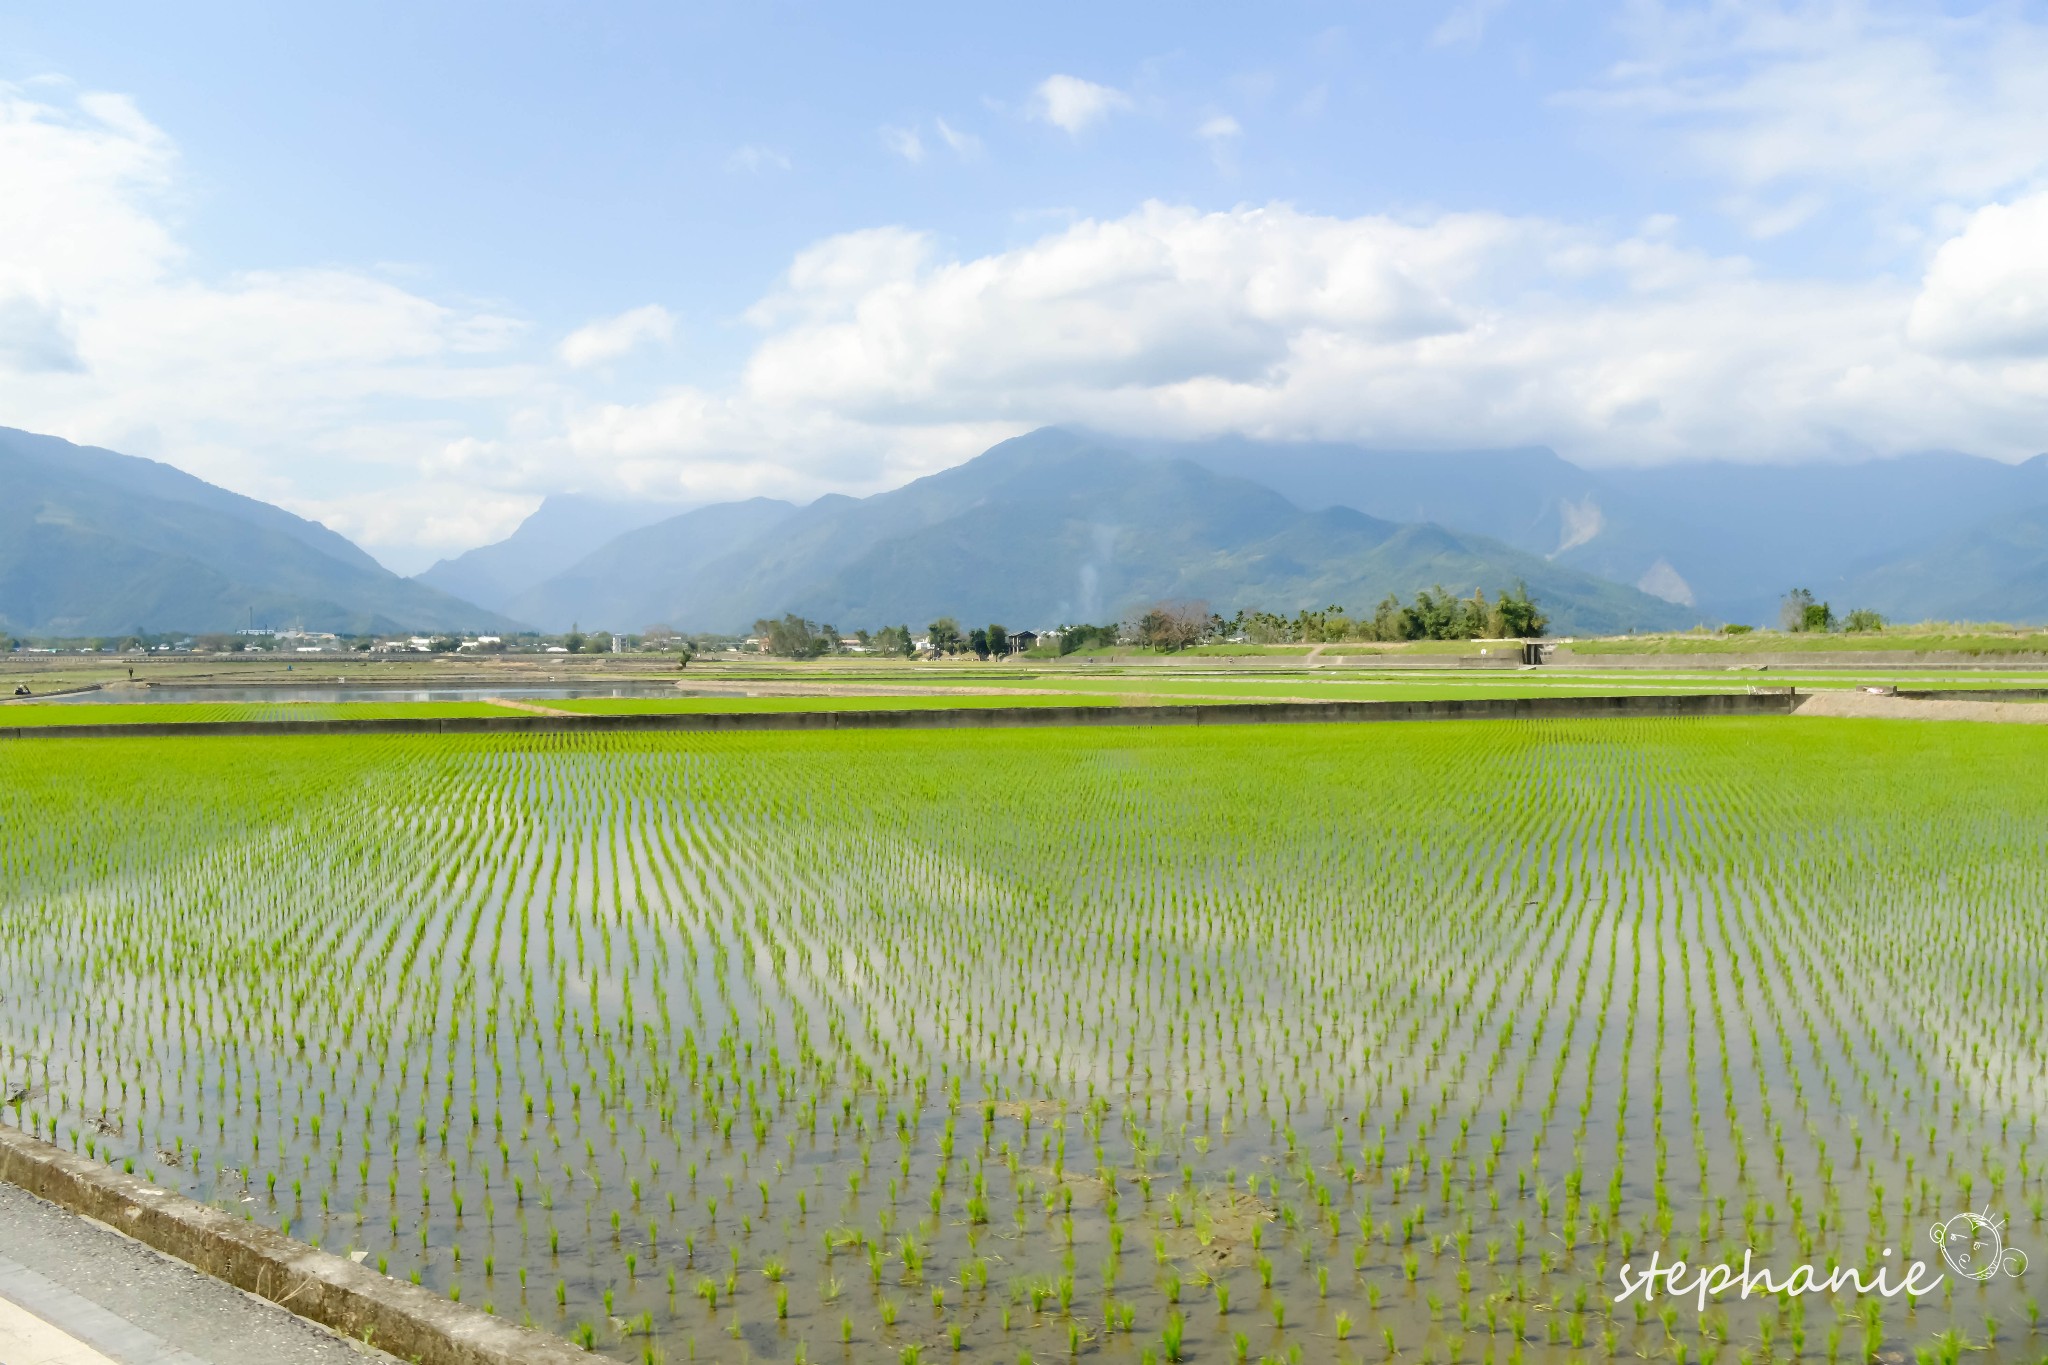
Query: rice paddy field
[(879, 701), (189, 712), (1266, 1043), (921, 687)]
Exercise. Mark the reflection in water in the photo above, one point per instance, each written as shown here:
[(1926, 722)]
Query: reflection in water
[(296, 692)]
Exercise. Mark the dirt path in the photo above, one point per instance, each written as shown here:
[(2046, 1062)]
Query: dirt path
[(528, 706), (1864, 704)]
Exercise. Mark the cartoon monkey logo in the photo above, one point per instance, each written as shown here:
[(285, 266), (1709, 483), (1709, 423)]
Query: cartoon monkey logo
[(1974, 1247)]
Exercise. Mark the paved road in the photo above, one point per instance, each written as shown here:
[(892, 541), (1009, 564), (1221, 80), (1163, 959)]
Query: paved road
[(75, 1293)]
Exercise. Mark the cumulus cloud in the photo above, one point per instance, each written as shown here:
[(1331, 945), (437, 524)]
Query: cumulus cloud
[(880, 355), (266, 380), (1071, 103), (609, 338), (879, 358), (1986, 293)]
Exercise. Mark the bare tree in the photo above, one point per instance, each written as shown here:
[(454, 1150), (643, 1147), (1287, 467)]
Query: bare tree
[(1171, 625)]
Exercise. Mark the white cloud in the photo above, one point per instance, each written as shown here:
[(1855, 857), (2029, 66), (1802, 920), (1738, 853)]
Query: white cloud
[(268, 381), (1986, 293), (880, 359), (353, 395), (420, 522), (905, 142), (1787, 102), (841, 271), (609, 338), (1071, 103), (966, 146)]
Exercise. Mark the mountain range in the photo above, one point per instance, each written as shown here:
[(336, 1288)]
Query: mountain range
[(1050, 527), (1729, 539), (97, 543), (1060, 525), (565, 528)]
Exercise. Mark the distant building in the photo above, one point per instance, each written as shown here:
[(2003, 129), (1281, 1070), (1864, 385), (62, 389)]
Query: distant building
[(1023, 641)]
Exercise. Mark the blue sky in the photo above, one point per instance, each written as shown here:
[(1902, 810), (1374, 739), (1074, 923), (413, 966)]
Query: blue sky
[(409, 268)]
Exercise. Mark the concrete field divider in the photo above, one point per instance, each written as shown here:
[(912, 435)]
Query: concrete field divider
[(391, 1315), (1774, 703)]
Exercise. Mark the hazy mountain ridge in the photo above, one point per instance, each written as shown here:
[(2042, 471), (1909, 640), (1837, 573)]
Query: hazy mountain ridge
[(1732, 537), (1056, 526), (624, 584), (1996, 570), (562, 530), (1061, 525), (93, 542)]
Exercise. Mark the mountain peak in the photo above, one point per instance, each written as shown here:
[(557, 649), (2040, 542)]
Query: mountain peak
[(93, 542)]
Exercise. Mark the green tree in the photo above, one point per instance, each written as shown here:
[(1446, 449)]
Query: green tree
[(1800, 613), (1392, 621), (998, 642), (978, 642), (1072, 638), (1441, 615), (944, 635), (1516, 616), (1862, 619)]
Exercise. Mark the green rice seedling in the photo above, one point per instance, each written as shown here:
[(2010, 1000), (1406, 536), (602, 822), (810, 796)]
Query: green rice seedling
[(637, 963)]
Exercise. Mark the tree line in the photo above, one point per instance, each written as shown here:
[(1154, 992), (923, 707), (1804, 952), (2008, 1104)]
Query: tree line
[(1172, 625), (1800, 614), (1434, 614)]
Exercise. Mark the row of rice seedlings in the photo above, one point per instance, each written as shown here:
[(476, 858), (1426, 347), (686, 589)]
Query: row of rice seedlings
[(1332, 1043)]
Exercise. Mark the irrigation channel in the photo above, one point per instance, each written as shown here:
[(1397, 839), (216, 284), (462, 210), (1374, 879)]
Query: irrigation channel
[(1312, 1043)]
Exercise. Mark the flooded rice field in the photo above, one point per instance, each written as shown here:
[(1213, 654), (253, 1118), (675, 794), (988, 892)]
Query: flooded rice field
[(1329, 1043), (338, 692)]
